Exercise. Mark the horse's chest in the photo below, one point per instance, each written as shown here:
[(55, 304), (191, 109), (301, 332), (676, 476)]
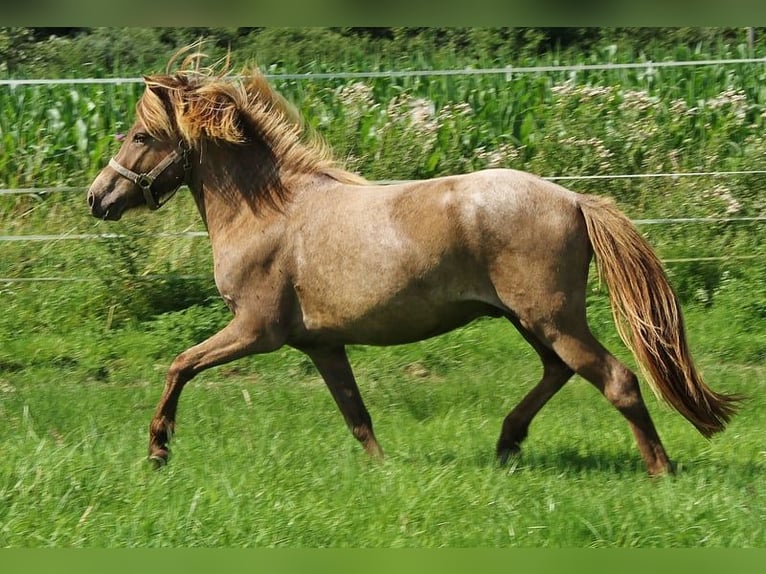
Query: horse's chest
[(244, 277)]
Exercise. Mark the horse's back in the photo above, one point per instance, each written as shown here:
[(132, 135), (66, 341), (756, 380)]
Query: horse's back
[(490, 211)]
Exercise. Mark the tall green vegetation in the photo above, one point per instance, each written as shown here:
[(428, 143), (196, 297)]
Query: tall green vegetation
[(35, 52)]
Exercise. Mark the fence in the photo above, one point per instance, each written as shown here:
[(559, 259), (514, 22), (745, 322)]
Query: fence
[(425, 73), (507, 70)]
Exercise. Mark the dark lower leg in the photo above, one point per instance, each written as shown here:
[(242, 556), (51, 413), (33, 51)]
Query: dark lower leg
[(555, 374), (625, 394), (516, 424), (648, 441), (336, 371), (162, 425), (620, 387)]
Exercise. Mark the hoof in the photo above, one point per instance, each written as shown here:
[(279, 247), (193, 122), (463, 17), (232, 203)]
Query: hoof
[(506, 454), (374, 451), (661, 470), (158, 459)]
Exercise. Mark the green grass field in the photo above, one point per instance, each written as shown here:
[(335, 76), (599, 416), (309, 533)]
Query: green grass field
[(262, 458)]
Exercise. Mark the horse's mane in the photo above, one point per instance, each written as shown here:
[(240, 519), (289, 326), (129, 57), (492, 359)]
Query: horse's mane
[(198, 103)]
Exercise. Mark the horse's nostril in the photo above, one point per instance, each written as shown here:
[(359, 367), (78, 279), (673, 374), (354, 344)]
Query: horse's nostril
[(91, 200)]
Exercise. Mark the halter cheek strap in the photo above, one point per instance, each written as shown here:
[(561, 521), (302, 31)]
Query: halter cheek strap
[(145, 180)]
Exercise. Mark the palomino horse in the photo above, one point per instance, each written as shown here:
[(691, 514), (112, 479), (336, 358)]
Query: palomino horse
[(309, 255)]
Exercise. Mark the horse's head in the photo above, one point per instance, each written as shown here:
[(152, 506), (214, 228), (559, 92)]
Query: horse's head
[(146, 171)]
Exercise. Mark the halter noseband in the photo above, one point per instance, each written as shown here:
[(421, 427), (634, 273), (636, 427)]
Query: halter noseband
[(145, 180)]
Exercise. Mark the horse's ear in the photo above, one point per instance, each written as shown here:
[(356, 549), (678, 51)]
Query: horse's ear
[(157, 88), (152, 84)]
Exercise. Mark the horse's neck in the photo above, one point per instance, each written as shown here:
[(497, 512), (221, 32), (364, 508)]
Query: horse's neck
[(226, 211), (223, 189), (244, 193)]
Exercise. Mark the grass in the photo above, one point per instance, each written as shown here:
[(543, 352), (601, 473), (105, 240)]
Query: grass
[(262, 458)]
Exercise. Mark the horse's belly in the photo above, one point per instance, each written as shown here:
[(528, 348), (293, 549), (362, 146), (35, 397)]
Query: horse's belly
[(396, 323)]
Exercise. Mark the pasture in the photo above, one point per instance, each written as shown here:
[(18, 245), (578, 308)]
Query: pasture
[(261, 457)]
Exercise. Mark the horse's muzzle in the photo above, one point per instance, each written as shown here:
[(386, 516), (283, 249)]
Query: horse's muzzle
[(101, 211)]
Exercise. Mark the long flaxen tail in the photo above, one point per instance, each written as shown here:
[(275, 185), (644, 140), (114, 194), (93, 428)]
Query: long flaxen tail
[(648, 317)]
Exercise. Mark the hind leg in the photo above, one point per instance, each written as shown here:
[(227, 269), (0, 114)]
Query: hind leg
[(516, 425), (583, 353), (544, 285), (557, 328)]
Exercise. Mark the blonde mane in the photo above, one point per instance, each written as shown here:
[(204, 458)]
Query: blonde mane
[(198, 103)]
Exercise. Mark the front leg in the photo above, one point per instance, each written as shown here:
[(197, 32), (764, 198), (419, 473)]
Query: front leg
[(238, 339), (332, 363)]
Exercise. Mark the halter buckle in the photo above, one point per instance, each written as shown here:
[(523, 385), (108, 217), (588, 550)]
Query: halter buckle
[(144, 181)]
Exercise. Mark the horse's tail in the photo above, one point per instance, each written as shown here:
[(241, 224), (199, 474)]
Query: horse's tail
[(648, 317)]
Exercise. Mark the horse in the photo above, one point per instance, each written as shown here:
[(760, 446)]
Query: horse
[(312, 256)]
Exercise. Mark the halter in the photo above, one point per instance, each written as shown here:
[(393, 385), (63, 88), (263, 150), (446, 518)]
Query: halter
[(145, 180)]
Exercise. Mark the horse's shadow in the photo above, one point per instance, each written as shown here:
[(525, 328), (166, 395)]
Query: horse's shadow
[(563, 460), (571, 461)]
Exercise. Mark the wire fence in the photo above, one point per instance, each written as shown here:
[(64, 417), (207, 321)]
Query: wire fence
[(186, 277), (507, 70), (33, 238), (197, 234), (203, 234), (671, 175)]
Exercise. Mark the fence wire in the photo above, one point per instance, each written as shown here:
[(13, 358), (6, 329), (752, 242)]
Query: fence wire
[(507, 70)]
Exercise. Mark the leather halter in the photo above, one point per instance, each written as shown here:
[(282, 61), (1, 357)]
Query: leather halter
[(145, 180)]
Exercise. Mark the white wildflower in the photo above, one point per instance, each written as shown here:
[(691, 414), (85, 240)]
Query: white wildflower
[(502, 156), (637, 101), (723, 193), (733, 101), (416, 114), (356, 99)]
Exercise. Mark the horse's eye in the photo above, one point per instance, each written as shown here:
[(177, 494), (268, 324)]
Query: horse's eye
[(140, 138)]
